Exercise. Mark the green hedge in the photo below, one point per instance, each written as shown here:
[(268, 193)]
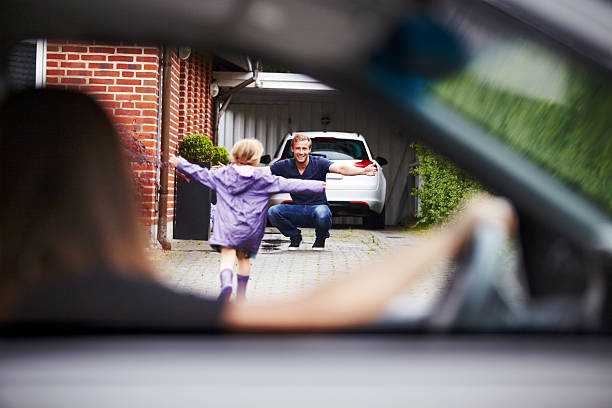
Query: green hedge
[(443, 188), (571, 139), (567, 132)]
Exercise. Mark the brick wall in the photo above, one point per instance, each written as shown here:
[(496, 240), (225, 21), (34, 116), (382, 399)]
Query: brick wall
[(195, 103), (125, 79)]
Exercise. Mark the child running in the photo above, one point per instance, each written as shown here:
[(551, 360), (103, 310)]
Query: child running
[(242, 207)]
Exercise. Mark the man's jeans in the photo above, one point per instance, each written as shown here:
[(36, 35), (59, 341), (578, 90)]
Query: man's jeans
[(287, 217)]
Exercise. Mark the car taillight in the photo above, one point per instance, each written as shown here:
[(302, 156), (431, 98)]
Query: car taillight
[(363, 163), (287, 202)]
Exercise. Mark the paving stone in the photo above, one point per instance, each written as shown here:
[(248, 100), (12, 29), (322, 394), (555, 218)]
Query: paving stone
[(278, 273)]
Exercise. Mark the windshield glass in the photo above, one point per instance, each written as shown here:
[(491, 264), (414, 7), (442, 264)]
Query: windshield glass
[(333, 149), (548, 108)]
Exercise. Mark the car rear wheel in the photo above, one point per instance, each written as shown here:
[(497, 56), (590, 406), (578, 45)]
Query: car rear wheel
[(375, 221)]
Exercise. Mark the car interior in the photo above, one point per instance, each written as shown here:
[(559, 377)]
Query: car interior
[(516, 93)]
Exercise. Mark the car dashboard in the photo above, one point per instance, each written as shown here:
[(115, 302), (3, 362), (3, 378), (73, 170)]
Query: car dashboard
[(307, 370)]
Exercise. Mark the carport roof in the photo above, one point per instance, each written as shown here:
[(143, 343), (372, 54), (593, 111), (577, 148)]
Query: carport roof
[(271, 81)]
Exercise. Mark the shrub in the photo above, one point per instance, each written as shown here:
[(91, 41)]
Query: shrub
[(444, 186), (220, 155), (196, 148)]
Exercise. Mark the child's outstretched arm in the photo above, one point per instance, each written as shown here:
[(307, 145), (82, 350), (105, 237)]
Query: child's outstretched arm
[(201, 174), (284, 185)]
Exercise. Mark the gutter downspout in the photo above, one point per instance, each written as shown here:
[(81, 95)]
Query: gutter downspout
[(162, 218)]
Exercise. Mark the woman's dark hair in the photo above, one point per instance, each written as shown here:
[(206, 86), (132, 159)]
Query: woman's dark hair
[(67, 199)]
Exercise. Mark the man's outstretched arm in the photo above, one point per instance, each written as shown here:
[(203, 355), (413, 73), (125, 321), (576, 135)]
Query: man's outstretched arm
[(352, 170)]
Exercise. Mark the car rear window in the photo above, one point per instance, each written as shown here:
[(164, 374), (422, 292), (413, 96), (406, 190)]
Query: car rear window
[(332, 149)]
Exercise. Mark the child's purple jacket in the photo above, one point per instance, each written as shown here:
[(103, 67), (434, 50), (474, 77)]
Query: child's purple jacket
[(242, 202)]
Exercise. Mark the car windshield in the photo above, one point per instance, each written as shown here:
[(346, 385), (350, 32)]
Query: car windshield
[(332, 149), (553, 110), (548, 107)]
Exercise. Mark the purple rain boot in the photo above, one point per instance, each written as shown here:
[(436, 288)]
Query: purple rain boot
[(226, 276), (242, 284)]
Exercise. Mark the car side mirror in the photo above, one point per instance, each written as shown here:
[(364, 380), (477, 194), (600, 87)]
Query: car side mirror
[(265, 159), (381, 160)]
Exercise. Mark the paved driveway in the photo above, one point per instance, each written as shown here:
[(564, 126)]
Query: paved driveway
[(281, 274)]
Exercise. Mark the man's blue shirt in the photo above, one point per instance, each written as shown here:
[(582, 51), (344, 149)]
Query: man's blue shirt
[(317, 169)]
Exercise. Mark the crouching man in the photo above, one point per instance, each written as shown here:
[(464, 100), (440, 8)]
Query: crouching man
[(309, 210)]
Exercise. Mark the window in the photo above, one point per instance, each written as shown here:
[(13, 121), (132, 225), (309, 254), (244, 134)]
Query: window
[(26, 64), (333, 149), (554, 111)]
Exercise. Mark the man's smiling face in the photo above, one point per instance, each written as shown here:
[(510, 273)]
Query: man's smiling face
[(301, 150)]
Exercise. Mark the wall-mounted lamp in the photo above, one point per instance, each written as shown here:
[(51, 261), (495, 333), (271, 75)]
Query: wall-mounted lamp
[(184, 53), (214, 88)]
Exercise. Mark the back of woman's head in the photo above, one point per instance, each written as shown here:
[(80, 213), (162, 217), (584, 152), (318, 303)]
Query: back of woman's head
[(247, 151), (67, 198)]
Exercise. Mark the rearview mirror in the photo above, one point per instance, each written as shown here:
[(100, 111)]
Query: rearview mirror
[(420, 48)]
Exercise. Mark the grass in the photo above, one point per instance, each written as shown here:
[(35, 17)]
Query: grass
[(419, 229)]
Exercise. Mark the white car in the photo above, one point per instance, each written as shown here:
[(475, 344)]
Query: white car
[(360, 196)]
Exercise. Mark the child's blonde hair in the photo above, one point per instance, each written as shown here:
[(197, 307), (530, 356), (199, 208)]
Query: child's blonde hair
[(247, 151)]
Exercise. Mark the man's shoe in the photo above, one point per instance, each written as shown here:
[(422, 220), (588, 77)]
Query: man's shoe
[(319, 244), (295, 243)]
